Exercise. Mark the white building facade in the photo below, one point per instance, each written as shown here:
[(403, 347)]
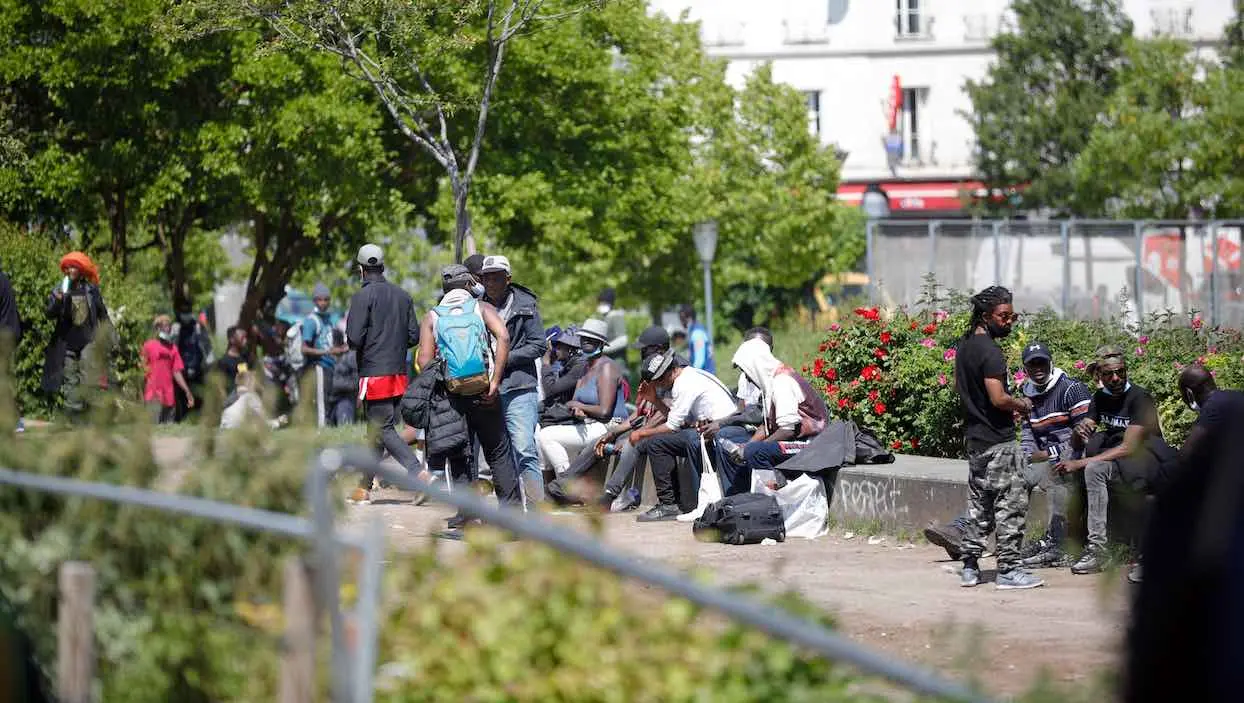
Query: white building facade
[(867, 65)]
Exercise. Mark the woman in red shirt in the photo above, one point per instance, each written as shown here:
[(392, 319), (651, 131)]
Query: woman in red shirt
[(164, 367)]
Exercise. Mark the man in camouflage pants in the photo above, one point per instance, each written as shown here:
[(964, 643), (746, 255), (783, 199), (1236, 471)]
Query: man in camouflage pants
[(997, 492)]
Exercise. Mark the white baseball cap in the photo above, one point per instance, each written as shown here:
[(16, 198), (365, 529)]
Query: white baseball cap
[(371, 255), (495, 263)]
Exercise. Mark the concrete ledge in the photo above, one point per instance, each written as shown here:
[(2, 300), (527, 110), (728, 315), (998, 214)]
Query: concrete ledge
[(901, 496)]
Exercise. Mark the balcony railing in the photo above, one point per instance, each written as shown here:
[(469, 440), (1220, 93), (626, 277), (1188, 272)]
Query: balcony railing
[(1172, 22), (804, 31)]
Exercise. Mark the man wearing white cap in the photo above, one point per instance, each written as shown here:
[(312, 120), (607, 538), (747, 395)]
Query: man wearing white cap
[(520, 397), (381, 326)]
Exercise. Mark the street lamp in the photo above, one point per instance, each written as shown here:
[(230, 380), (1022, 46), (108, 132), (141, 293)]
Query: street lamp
[(876, 206), (705, 236)]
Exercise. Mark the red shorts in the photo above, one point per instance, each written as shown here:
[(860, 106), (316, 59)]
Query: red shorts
[(382, 387)]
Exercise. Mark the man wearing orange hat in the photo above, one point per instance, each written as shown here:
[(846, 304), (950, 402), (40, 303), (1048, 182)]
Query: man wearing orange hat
[(78, 309)]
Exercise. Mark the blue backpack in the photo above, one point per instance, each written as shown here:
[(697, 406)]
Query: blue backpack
[(462, 341)]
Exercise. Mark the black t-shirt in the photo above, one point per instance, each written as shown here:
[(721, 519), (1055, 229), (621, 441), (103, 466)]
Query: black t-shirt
[(979, 358), (1115, 413), (228, 365)]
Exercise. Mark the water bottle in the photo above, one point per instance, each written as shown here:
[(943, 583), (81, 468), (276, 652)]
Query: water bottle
[(610, 449), (734, 451)]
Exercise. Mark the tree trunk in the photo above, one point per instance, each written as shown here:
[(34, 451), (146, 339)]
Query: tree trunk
[(464, 239), (271, 271), (118, 225)]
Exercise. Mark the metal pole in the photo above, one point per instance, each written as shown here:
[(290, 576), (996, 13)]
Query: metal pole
[(997, 252), (1139, 227), (1064, 232), (932, 227), (869, 263), (371, 574), (324, 564), (708, 298), (1213, 274)]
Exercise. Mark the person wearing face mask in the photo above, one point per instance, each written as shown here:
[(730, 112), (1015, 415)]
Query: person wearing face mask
[(70, 366), (560, 378), (997, 493), (1060, 403), (598, 400), (164, 368), (1122, 444)]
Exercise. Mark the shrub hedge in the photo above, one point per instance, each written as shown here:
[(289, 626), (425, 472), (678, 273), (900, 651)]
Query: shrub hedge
[(894, 371)]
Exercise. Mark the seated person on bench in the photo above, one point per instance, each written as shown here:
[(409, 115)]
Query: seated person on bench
[(791, 408), (695, 396)]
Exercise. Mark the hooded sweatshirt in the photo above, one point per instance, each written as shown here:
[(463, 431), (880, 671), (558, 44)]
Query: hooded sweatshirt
[(1056, 409), (788, 401)]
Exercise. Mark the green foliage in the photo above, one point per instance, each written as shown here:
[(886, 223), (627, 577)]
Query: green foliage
[(32, 261), (1034, 111), (895, 374)]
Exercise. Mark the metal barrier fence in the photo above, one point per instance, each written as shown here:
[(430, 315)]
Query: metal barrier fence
[(354, 658), (1082, 269)]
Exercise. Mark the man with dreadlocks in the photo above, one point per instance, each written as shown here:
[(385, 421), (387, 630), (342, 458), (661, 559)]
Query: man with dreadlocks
[(997, 493)]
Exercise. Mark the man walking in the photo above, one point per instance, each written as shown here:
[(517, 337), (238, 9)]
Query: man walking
[(699, 344), (481, 410), (997, 494), (381, 326), (318, 349), (520, 395)]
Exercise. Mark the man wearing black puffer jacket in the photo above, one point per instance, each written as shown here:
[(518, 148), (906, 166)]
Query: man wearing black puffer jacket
[(520, 398), (380, 327)]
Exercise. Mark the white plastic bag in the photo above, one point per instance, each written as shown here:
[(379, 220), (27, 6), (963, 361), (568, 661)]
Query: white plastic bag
[(805, 507), (710, 487)]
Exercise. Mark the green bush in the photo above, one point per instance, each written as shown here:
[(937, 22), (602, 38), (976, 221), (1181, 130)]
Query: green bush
[(894, 373), (32, 263)]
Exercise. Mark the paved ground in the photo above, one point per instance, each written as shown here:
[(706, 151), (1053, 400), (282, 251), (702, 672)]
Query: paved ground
[(901, 598)]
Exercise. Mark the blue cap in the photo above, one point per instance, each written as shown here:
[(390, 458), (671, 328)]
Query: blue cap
[(1037, 350)]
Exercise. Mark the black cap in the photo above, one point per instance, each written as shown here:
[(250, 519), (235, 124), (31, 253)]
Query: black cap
[(654, 336), (608, 296), (657, 365), (1037, 350), (474, 263)]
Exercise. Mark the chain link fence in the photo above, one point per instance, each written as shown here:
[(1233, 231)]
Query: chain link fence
[(1082, 269)]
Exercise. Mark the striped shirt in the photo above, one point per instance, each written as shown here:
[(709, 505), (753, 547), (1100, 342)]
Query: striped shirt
[(1055, 411)]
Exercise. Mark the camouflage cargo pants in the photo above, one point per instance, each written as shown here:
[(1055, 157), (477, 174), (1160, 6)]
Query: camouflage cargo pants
[(997, 501), (71, 388)]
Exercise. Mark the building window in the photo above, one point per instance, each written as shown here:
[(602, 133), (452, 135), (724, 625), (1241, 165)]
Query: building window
[(813, 100), (913, 128), (910, 20)]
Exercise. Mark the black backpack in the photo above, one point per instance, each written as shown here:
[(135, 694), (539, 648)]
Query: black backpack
[(747, 518)]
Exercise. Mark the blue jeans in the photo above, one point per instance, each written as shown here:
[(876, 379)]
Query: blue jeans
[(735, 478), (522, 412)]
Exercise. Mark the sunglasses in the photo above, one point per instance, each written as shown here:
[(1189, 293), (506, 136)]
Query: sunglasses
[(1114, 373), (1007, 316)]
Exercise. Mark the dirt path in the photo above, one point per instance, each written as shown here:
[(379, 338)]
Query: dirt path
[(900, 598)]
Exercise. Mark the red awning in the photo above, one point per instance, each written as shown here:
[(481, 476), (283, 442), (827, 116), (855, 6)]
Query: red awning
[(910, 196)]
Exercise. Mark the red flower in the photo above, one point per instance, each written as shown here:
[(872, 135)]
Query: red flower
[(818, 367), (880, 353), (886, 337), (868, 313), (831, 375), (805, 368), (879, 408), (896, 444), (844, 403), (930, 328), (870, 373), (914, 325), (823, 347), (874, 395), (914, 442), (831, 389)]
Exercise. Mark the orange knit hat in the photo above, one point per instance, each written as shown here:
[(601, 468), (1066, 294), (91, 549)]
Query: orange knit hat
[(83, 263)]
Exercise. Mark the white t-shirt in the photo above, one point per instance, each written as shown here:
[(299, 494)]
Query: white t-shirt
[(748, 393), (787, 395), (698, 395)]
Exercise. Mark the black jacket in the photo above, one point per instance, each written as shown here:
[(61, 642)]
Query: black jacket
[(527, 344), (346, 376), (561, 388), (427, 406), (9, 320), (381, 327), (70, 337)]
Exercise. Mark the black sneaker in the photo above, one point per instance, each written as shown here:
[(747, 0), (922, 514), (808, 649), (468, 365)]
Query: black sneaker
[(1093, 561), (660, 513), (605, 500), (456, 522), (1034, 548), (948, 536), (1052, 558)]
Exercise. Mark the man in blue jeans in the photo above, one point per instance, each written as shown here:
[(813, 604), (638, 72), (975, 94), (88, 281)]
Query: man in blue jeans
[(520, 398)]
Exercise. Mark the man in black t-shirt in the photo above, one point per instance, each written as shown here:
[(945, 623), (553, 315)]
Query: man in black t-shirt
[(997, 493), (234, 360), (1127, 446)]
